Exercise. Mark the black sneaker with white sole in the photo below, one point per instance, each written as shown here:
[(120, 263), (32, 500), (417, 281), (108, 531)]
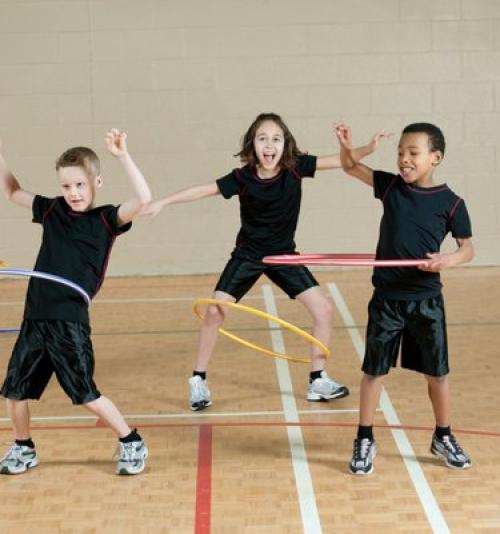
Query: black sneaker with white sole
[(450, 451)]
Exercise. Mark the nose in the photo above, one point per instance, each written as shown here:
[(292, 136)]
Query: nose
[(403, 158)]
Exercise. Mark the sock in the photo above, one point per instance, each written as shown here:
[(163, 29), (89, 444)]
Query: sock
[(365, 432), (203, 374), (25, 442), (442, 431), (133, 436), (314, 374)]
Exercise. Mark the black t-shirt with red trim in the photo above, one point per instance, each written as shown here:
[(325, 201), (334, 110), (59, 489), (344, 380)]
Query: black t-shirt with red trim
[(269, 208), (76, 246), (415, 221)]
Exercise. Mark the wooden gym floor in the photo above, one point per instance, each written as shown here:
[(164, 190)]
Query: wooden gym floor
[(262, 459)]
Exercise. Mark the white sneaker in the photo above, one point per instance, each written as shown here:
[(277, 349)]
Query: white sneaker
[(18, 459), (132, 458), (324, 388), (199, 394)]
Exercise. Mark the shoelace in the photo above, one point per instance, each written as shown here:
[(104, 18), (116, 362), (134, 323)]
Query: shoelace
[(199, 390), (14, 453), (362, 448), (125, 452), (451, 444)]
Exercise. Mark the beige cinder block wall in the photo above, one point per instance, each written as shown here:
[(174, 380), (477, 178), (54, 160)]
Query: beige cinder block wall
[(186, 78)]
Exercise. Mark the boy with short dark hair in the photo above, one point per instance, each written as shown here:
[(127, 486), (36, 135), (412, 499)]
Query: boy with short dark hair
[(55, 333), (407, 306)]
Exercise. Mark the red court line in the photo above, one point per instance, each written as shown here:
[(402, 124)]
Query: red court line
[(204, 481), (263, 424)]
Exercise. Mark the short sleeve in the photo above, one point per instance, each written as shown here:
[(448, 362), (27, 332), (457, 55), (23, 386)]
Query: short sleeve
[(460, 225), (306, 166), (229, 185), (382, 182), (41, 205), (109, 214)]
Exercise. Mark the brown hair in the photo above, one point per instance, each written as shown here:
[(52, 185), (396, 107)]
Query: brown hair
[(290, 152), (80, 156)]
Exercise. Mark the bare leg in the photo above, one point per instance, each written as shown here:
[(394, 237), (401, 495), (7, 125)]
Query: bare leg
[(370, 389), (19, 414), (109, 413), (439, 393), (214, 318), (321, 310)]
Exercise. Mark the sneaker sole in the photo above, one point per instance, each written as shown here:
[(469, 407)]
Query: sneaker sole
[(316, 397), (29, 465), (360, 472), (201, 406), (444, 457)]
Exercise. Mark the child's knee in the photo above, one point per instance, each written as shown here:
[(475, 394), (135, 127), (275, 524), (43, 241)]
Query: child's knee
[(214, 315)]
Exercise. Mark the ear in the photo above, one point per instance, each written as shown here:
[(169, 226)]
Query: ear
[(438, 158)]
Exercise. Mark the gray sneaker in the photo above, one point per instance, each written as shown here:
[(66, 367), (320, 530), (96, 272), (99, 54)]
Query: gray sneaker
[(18, 459), (450, 451), (199, 394), (132, 458), (324, 388)]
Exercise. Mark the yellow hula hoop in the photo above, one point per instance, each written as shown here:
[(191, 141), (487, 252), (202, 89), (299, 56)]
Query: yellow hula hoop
[(3, 263), (264, 315)]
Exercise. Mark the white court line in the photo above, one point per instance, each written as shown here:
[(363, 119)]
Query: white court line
[(424, 492), (186, 415), (305, 490)]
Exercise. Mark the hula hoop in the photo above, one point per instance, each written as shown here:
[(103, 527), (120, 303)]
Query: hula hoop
[(358, 260), (47, 276), (264, 315)]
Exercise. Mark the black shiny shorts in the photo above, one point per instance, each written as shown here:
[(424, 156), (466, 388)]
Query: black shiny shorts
[(46, 347), (419, 326), (240, 275)]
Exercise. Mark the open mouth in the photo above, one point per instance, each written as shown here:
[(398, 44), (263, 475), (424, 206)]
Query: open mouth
[(269, 158), (406, 172)]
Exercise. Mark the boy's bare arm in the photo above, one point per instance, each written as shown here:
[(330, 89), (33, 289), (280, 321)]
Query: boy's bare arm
[(117, 144), (444, 260), (334, 161), (10, 186), (196, 192), (348, 157)]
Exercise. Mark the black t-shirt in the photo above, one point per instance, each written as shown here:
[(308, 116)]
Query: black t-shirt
[(415, 221), (269, 208), (76, 246)]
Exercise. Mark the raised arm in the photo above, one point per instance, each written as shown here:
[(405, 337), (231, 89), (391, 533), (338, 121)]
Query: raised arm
[(444, 260), (348, 157), (196, 192), (10, 186), (117, 144), (334, 162)]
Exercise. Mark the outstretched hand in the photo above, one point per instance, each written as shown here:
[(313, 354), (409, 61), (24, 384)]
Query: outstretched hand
[(381, 134), (116, 142)]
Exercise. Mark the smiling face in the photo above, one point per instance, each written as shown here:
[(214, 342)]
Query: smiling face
[(416, 160), (269, 143), (78, 188)]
